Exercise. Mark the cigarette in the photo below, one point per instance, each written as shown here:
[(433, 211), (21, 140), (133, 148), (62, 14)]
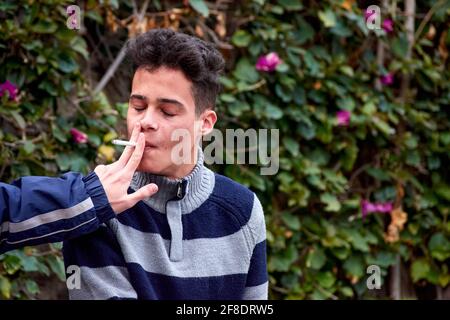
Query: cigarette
[(124, 143)]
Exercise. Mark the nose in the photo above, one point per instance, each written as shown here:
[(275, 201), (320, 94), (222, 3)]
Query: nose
[(148, 122)]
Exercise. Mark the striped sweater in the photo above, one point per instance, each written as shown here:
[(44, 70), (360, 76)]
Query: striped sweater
[(201, 237)]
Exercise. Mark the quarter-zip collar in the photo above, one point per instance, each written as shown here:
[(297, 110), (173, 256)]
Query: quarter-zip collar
[(176, 197), (191, 190)]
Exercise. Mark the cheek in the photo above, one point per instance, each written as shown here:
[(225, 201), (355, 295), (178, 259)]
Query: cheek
[(131, 121), (182, 130), (129, 128)]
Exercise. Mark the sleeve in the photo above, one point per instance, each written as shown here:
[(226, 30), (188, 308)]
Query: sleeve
[(256, 287), (36, 210)]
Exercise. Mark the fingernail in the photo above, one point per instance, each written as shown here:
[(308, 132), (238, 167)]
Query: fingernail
[(155, 188)]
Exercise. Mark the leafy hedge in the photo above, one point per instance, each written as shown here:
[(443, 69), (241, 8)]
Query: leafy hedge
[(391, 152), (363, 173), (40, 56)]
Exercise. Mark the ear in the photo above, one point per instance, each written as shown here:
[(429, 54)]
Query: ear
[(208, 120)]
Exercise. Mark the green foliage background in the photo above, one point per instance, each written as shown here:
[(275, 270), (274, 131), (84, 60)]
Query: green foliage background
[(395, 148)]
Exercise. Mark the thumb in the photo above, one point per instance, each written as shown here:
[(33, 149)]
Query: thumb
[(143, 193)]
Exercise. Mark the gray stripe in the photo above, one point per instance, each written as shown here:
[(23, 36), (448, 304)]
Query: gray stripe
[(257, 224), (257, 292), (176, 230), (103, 283), (203, 257), (48, 217), (49, 234)]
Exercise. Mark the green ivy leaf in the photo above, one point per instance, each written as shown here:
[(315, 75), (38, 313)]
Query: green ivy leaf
[(200, 6), (443, 191), (420, 269), (293, 222), (326, 279), (331, 201), (283, 261), (439, 246), (328, 18), (354, 266), (32, 287), (66, 63), (45, 26), (246, 71), (316, 259), (11, 264), (241, 38), (29, 147), (57, 266), (291, 5), (5, 287)]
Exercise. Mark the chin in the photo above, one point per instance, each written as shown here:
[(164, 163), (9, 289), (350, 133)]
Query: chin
[(150, 168)]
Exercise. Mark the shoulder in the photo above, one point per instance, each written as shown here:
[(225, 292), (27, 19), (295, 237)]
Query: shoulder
[(234, 197)]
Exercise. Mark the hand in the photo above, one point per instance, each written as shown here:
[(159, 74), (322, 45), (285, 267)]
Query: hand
[(116, 177)]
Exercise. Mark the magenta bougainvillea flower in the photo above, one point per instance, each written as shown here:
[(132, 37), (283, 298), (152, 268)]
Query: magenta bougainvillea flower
[(387, 79), (78, 136), (268, 62), (370, 207), (343, 117), (11, 88), (388, 25)]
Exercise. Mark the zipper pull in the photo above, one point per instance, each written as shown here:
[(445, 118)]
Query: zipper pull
[(180, 190)]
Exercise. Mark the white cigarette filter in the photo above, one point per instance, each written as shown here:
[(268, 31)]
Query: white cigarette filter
[(124, 143)]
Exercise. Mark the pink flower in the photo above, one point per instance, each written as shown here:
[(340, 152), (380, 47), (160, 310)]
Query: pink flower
[(388, 25), (343, 117), (78, 136), (11, 88), (387, 79), (369, 207), (268, 62)]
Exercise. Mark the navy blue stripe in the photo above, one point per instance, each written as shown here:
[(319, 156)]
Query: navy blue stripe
[(152, 286), (50, 227), (143, 218), (224, 213), (257, 273), (234, 197), (210, 220), (43, 231), (35, 200), (94, 250)]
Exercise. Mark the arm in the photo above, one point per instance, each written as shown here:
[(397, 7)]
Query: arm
[(35, 210), (256, 287)]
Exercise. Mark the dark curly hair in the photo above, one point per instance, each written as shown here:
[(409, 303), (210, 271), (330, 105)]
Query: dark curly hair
[(200, 61)]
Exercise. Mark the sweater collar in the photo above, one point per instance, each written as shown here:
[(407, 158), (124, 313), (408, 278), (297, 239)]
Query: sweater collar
[(191, 191)]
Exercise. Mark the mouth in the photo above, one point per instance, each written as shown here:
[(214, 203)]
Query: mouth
[(149, 145)]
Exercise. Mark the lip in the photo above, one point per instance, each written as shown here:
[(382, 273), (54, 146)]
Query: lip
[(150, 146)]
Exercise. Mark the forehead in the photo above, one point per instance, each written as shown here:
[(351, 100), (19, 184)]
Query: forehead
[(163, 83)]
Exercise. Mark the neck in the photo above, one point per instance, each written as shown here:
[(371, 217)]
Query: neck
[(197, 184), (181, 171)]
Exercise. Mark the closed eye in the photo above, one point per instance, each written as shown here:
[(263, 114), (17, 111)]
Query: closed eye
[(167, 114), (139, 108)]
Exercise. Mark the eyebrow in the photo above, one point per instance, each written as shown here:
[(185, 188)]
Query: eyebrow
[(159, 100)]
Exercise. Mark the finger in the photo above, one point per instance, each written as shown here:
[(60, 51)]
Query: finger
[(100, 169), (136, 157), (128, 151), (142, 194)]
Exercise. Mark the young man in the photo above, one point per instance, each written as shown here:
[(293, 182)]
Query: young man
[(202, 236), (36, 210)]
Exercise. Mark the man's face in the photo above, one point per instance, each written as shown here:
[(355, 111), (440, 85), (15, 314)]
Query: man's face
[(162, 102)]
